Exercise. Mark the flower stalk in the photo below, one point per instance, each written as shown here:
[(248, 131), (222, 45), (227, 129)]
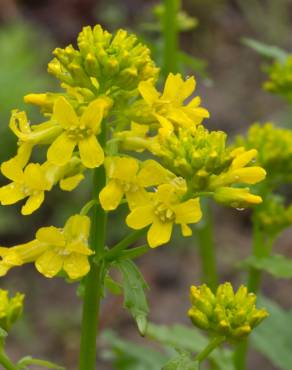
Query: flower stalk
[(94, 280)]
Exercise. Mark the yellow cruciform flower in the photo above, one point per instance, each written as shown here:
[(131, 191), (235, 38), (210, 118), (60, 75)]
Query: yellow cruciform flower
[(168, 107), (54, 249), (30, 182), (67, 248), (78, 131), (125, 178), (163, 210)]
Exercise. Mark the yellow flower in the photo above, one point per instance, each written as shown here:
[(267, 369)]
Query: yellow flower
[(10, 308), (125, 178), (30, 182), (9, 259), (66, 248), (239, 172), (78, 131), (54, 249), (43, 133), (168, 108), (163, 210)]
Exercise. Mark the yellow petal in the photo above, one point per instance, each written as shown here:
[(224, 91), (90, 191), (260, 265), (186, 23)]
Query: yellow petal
[(243, 159), (60, 151), (152, 173), (76, 266), (50, 235), (188, 87), (166, 194), (70, 183), (49, 264), (249, 175), (12, 170), (159, 233), (93, 115), (80, 248), (186, 230), (91, 153), (123, 168), (140, 217), (11, 193), (148, 92), (137, 198), (33, 203), (77, 228), (34, 177), (188, 212), (111, 196), (180, 117), (165, 123), (64, 113), (172, 88)]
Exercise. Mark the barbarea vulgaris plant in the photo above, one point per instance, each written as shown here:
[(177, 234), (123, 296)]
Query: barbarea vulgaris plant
[(110, 110)]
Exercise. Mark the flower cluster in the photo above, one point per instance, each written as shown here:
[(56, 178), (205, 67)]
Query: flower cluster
[(10, 309), (280, 78), (110, 110), (228, 314)]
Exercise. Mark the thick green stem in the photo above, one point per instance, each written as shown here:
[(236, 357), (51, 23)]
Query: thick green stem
[(214, 343), (205, 237), (5, 361), (170, 36), (94, 279)]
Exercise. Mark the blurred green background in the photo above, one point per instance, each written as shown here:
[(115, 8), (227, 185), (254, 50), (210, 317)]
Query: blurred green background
[(229, 82)]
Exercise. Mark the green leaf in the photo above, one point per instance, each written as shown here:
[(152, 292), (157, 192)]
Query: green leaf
[(113, 286), (34, 361), (268, 51), (276, 265), (126, 355), (189, 339), (182, 362), (134, 295), (273, 337)]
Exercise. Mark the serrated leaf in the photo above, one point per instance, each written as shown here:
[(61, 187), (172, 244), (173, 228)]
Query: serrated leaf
[(273, 338), (183, 361), (189, 339), (134, 287), (277, 265), (266, 50)]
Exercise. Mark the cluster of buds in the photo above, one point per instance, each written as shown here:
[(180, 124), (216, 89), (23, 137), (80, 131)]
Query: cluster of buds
[(102, 63), (10, 309), (280, 78), (274, 216), (228, 314)]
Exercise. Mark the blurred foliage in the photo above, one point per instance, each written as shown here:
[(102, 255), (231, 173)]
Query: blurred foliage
[(274, 337), (126, 355), (269, 18), (23, 55)]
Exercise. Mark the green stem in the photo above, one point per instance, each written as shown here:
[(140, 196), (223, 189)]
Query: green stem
[(94, 279), (259, 250), (5, 361), (205, 237), (214, 343), (170, 36), (124, 243)]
